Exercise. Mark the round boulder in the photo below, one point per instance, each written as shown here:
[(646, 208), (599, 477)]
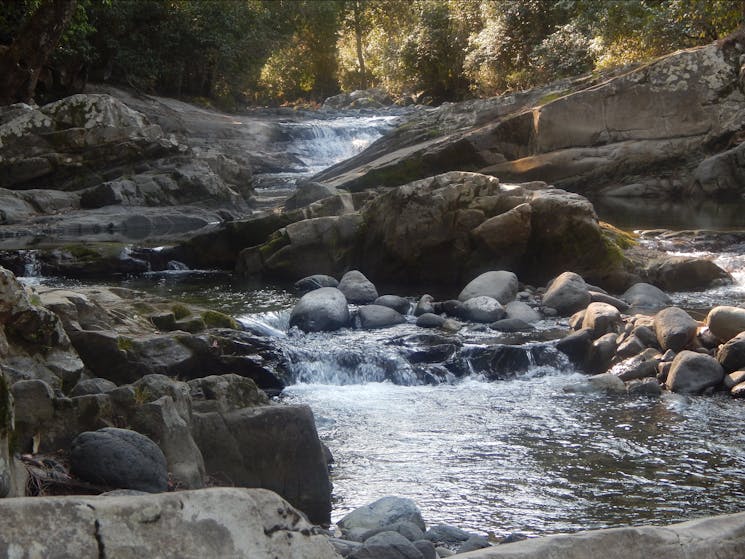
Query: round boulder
[(482, 309), (119, 458), (357, 288), (398, 304), (522, 311), (693, 372), (567, 294), (383, 512), (499, 285), (726, 322), (323, 309), (674, 328), (646, 296), (315, 282), (430, 320), (731, 355), (378, 316), (601, 318), (92, 386)]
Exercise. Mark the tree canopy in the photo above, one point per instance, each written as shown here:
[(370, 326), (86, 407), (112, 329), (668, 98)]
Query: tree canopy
[(237, 52)]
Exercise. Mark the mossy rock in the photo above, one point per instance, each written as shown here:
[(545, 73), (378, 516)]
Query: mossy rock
[(216, 319), (180, 311)]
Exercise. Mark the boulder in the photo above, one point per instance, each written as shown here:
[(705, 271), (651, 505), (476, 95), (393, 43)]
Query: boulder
[(674, 328), (225, 393), (522, 311), (92, 386), (430, 320), (409, 530), (639, 366), (216, 522), (387, 545), (731, 354), (446, 534), (693, 372), (383, 512), (646, 296), (568, 293), (398, 304), (576, 346), (482, 309), (599, 297), (601, 354), (725, 322), (511, 325), (681, 273), (499, 285), (307, 193), (424, 305), (315, 282), (119, 458), (378, 316), (602, 318), (323, 309), (357, 288), (734, 378), (644, 387)]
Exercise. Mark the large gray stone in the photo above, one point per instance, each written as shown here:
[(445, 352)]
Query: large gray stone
[(217, 522), (567, 294), (674, 328), (119, 458), (378, 316), (321, 310), (499, 285), (646, 296), (383, 512), (725, 322), (387, 545), (357, 288), (482, 309), (693, 372)]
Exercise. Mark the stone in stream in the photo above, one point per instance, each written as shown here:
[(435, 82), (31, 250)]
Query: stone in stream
[(425, 305), (430, 320), (511, 325), (601, 354), (383, 512), (601, 318), (446, 534), (734, 378), (482, 309), (646, 296), (499, 285), (323, 309), (386, 545), (119, 458), (692, 372), (568, 293), (316, 281), (399, 304), (731, 355), (725, 322), (576, 346), (357, 288), (522, 311), (644, 387), (473, 543), (674, 328), (600, 297), (378, 316)]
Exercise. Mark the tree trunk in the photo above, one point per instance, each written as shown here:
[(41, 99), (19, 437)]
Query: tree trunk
[(22, 62), (358, 39)]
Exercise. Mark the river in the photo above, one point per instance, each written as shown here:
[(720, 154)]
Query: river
[(495, 456)]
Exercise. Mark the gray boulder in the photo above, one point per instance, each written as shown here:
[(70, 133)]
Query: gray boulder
[(323, 309), (725, 322), (383, 512), (473, 543), (92, 386), (316, 281), (675, 328), (482, 309), (387, 545), (446, 534), (511, 325), (399, 304), (424, 305), (225, 393), (216, 522), (567, 294), (378, 316), (119, 458), (731, 355), (430, 320), (693, 372), (522, 311), (646, 296), (357, 288), (602, 318), (499, 285)]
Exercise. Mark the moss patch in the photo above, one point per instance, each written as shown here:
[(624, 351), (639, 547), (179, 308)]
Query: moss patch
[(622, 239), (123, 343), (215, 319), (180, 311)]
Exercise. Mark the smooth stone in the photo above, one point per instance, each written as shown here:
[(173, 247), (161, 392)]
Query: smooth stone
[(693, 372), (725, 322), (645, 387), (357, 288), (568, 293), (733, 379), (323, 309), (482, 309), (444, 533), (387, 545), (398, 304), (731, 355), (602, 319), (473, 543), (425, 305), (430, 320), (316, 281), (378, 316), (646, 296), (383, 512), (576, 346), (675, 328), (500, 285), (522, 311), (511, 325)]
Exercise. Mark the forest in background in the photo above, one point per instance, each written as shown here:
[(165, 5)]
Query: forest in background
[(234, 53)]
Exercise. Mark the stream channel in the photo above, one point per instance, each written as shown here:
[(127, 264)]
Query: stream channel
[(505, 451)]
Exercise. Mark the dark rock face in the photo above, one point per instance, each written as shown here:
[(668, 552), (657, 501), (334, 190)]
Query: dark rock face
[(321, 310), (119, 458)]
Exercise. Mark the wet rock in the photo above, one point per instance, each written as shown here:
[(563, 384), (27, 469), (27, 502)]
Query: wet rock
[(568, 293), (446, 534), (357, 288), (451, 307), (499, 285), (409, 530), (734, 378), (430, 320), (225, 393), (511, 325), (383, 512), (323, 309), (315, 282), (387, 545), (576, 346), (522, 311), (646, 296), (607, 381), (598, 297), (425, 305), (33, 402), (473, 543), (307, 193), (738, 391), (725, 322), (629, 347), (378, 316), (426, 548), (482, 309), (119, 458), (645, 387), (731, 355), (601, 318), (639, 366), (693, 372), (601, 354), (680, 273), (398, 304), (674, 328)]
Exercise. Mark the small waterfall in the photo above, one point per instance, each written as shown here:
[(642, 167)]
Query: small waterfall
[(32, 266)]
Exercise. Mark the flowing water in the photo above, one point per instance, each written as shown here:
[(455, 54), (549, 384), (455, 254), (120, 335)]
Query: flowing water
[(475, 426)]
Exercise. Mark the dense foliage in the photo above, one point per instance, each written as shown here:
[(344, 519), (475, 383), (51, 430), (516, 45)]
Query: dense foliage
[(272, 51)]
